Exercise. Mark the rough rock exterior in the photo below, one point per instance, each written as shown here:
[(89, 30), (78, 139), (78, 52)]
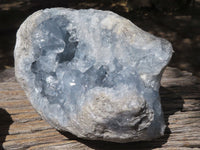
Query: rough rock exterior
[(92, 73)]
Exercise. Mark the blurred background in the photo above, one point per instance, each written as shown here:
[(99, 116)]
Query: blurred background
[(176, 20)]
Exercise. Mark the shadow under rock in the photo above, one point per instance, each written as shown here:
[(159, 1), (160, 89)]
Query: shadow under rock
[(5, 122), (171, 103)]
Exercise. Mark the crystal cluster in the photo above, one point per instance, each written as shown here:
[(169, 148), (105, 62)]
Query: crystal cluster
[(92, 73)]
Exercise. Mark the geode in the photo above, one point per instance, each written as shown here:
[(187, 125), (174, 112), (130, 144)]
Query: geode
[(92, 73)]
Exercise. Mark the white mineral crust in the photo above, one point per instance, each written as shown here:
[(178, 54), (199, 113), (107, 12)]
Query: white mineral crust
[(92, 73)]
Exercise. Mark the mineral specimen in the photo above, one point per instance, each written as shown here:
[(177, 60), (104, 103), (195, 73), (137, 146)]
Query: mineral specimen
[(92, 73)]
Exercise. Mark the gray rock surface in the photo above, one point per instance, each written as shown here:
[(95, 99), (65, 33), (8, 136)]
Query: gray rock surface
[(92, 73)]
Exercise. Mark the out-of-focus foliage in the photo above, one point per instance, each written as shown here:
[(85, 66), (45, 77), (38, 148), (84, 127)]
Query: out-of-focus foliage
[(161, 5)]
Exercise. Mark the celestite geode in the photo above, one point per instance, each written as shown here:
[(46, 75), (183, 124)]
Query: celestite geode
[(92, 73)]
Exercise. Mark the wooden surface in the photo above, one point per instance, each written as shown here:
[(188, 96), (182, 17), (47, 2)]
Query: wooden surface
[(22, 128)]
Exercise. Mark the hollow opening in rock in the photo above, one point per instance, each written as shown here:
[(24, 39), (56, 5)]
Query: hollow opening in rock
[(53, 43), (69, 50)]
